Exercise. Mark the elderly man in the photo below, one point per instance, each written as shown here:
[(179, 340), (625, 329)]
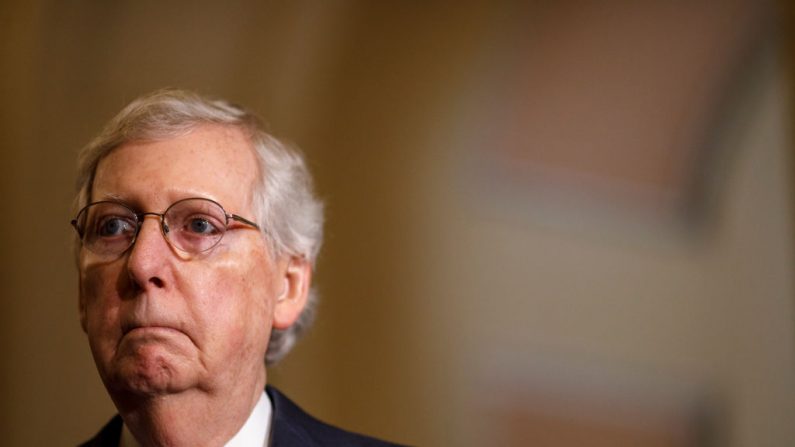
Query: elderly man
[(197, 236)]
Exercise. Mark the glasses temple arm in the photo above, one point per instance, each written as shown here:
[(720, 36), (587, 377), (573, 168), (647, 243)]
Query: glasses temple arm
[(244, 220)]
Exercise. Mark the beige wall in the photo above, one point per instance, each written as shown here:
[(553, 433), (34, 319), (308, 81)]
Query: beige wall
[(431, 297), (620, 314)]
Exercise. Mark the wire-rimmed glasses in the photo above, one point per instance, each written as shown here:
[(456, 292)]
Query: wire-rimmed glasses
[(193, 225)]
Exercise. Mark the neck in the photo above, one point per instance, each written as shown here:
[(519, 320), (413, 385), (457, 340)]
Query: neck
[(189, 418)]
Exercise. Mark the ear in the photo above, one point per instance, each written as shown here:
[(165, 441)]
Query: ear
[(297, 275)]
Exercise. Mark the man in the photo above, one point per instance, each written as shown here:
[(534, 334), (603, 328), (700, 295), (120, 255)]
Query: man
[(197, 235)]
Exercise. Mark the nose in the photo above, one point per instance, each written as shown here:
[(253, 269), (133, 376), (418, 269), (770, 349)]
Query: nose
[(149, 260)]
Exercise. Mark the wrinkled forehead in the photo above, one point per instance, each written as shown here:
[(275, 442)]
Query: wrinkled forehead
[(212, 161)]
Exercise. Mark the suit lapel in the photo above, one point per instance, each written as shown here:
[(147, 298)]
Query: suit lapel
[(109, 436)]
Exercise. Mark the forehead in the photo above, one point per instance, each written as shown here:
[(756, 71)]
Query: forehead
[(211, 161)]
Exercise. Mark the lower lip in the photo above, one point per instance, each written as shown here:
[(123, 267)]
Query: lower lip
[(153, 330)]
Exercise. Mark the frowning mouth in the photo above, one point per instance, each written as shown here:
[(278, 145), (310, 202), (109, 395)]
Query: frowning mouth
[(150, 330)]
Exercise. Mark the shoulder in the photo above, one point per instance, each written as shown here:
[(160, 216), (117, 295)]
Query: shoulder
[(107, 437), (292, 426)]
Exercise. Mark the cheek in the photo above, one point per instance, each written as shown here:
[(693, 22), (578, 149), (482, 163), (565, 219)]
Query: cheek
[(238, 297), (239, 308), (99, 298)]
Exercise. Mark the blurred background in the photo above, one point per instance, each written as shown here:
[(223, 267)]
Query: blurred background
[(549, 223)]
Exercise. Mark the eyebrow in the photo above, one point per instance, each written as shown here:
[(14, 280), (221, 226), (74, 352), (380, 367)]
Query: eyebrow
[(170, 195), (114, 198)]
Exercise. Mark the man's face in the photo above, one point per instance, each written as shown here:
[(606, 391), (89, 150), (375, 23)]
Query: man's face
[(162, 321)]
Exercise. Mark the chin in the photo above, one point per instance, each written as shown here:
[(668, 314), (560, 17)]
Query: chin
[(147, 375)]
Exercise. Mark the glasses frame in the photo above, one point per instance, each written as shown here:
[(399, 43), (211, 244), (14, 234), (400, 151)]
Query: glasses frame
[(164, 230)]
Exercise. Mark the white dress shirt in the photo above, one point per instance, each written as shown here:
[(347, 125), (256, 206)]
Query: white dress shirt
[(254, 432)]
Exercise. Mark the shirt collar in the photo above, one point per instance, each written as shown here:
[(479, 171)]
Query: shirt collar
[(254, 433)]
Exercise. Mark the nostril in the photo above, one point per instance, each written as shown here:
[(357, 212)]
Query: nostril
[(156, 281)]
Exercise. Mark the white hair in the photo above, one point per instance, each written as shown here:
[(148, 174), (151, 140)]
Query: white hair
[(283, 199)]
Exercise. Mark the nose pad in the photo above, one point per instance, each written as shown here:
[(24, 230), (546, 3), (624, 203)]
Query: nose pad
[(139, 231), (148, 258)]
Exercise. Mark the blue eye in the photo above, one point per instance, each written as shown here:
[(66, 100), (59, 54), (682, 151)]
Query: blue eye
[(115, 226), (200, 225)]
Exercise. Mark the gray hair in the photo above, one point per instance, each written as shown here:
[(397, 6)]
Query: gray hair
[(284, 202)]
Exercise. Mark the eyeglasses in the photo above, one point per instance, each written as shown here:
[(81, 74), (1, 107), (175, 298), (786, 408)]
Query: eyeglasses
[(192, 225)]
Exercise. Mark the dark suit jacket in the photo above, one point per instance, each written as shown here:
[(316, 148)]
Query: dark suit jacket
[(290, 427)]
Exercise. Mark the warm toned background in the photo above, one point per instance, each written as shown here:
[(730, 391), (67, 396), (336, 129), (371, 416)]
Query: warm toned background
[(549, 223)]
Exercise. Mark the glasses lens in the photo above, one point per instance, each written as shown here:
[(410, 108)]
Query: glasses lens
[(195, 225), (108, 228)]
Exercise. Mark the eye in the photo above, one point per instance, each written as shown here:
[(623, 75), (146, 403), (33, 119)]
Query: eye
[(111, 226), (201, 225)]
